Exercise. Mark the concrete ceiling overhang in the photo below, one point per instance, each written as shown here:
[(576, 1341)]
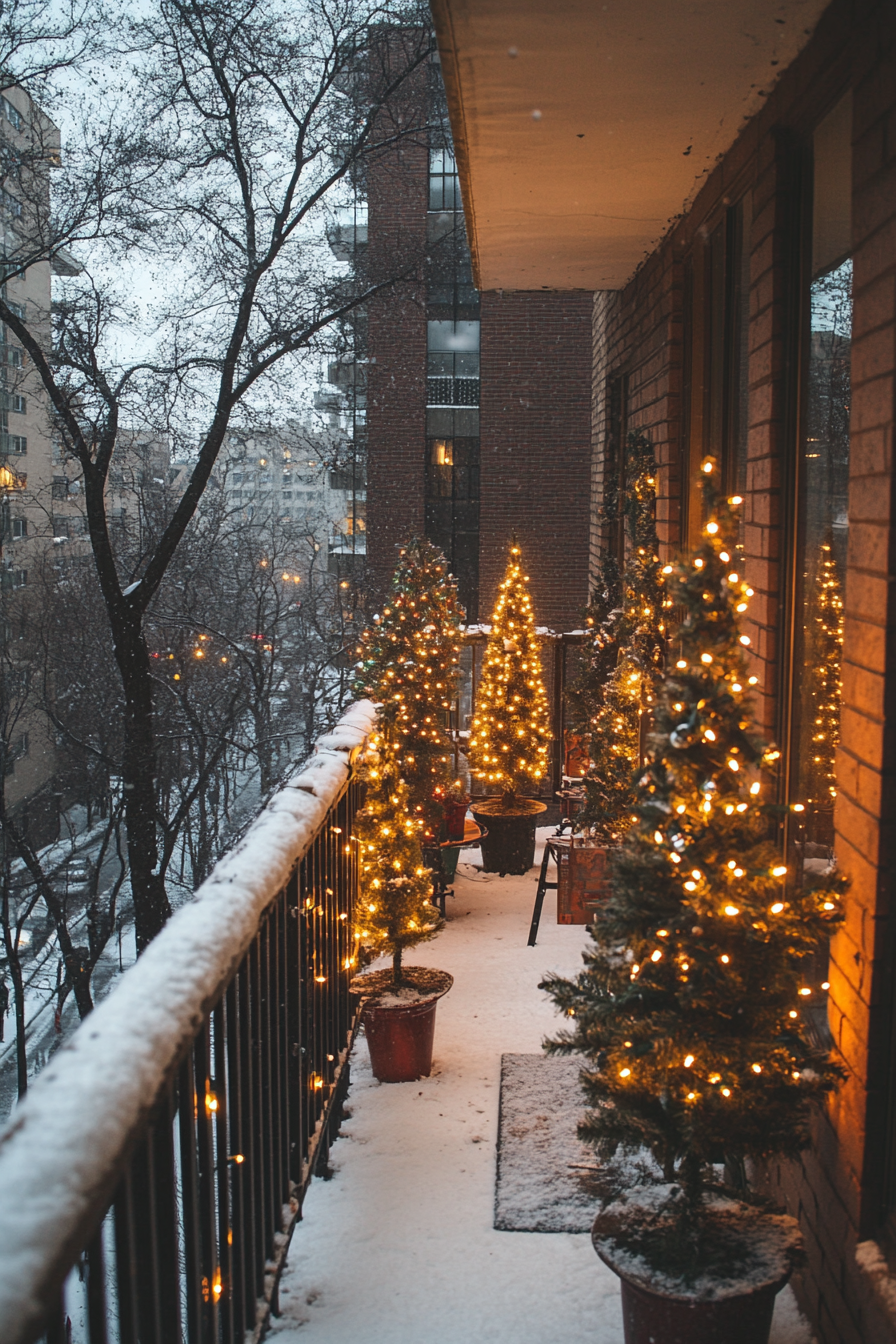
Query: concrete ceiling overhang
[(582, 129)]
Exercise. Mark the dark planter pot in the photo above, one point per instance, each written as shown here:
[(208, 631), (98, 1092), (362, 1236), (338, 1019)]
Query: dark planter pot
[(400, 1036), (450, 856), (509, 846)]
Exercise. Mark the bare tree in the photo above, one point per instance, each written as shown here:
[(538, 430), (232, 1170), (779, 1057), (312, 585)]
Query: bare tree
[(204, 172)]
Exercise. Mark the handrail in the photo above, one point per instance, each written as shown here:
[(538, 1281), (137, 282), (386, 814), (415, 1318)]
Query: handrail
[(224, 986)]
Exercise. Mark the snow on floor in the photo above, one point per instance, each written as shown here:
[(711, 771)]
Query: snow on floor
[(399, 1247)]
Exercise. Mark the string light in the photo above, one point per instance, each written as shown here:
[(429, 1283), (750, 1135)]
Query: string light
[(510, 732), (731, 951), (409, 666)]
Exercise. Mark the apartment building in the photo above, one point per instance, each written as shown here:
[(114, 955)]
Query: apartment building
[(29, 145), (477, 407), (286, 476)]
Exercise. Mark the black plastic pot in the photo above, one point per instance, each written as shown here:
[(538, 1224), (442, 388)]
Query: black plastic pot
[(509, 846)]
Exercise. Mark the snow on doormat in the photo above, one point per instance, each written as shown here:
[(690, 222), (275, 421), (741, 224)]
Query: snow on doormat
[(547, 1179)]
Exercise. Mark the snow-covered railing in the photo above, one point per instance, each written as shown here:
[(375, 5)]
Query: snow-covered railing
[(149, 1179)]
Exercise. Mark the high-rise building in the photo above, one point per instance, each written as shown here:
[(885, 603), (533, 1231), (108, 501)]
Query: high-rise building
[(286, 475), (476, 419), (29, 147)]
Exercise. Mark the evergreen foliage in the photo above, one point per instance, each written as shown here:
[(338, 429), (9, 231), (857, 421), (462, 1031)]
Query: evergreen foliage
[(393, 911), (410, 667), (584, 696), (511, 721), (690, 1006), (625, 657)]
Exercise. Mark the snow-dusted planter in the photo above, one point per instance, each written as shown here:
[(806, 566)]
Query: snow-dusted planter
[(400, 1023), (701, 1283)]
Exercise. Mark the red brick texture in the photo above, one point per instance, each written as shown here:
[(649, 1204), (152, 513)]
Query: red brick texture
[(535, 415), (837, 1190), (536, 448), (396, 378)]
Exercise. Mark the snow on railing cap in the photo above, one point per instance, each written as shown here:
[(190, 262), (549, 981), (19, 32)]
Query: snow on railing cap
[(60, 1151)]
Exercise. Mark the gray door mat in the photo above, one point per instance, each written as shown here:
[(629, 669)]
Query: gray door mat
[(547, 1179)]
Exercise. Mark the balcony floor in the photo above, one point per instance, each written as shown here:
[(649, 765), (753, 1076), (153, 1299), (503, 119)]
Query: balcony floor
[(399, 1247)]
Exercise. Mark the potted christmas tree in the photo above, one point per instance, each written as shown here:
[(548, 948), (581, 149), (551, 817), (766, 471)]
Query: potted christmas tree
[(614, 695), (510, 731), (409, 667), (394, 913), (691, 1006)]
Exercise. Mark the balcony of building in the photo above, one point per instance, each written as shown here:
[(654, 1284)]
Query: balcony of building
[(157, 1183)]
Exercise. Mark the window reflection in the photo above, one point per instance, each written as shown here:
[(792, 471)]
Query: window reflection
[(824, 532)]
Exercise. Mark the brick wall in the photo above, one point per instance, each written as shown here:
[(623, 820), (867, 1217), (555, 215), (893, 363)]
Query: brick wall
[(536, 447), (396, 379), (535, 414), (837, 1188), (605, 301)]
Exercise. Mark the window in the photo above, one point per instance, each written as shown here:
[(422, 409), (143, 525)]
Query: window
[(60, 487), (18, 528), (14, 578), (347, 478), (716, 318), (452, 364), (14, 356), (13, 443), (12, 115), (18, 404), (822, 500), (452, 511), (444, 187)]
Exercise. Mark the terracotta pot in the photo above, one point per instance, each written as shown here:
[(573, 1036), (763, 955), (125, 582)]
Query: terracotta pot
[(400, 1036), (509, 846), (455, 815), (653, 1316)]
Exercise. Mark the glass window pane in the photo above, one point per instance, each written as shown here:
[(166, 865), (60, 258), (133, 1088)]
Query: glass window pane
[(824, 529)]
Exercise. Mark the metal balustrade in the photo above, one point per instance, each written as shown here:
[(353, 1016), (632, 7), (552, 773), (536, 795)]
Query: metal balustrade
[(150, 1179)]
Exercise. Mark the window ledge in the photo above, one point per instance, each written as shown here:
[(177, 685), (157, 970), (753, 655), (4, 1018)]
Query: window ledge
[(878, 1276)]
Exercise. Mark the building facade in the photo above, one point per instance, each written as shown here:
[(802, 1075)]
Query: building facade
[(28, 144), (742, 258), (478, 424)]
